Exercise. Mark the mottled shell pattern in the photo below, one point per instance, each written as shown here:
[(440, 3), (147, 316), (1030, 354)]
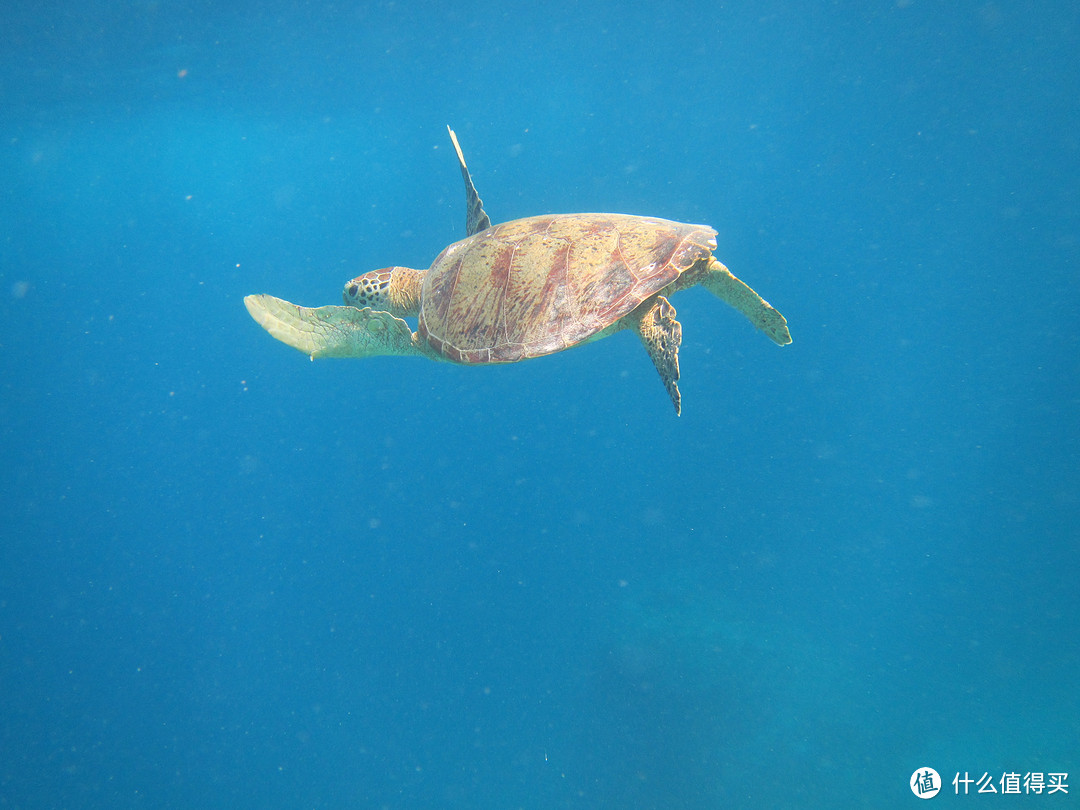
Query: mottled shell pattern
[(539, 285)]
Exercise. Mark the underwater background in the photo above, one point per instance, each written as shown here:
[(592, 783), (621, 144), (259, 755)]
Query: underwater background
[(233, 578)]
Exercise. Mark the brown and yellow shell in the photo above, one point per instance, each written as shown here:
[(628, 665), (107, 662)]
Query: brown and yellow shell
[(539, 285)]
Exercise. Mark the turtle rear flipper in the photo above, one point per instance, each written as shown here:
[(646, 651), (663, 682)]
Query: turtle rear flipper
[(724, 285), (332, 331)]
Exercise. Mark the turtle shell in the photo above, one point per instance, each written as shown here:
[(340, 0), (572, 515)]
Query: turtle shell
[(539, 285)]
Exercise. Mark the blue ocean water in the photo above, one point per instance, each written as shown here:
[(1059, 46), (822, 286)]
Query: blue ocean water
[(232, 578)]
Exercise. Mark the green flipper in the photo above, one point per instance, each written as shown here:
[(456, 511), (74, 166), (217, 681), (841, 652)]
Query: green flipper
[(476, 219), (333, 331), (720, 282), (661, 335)]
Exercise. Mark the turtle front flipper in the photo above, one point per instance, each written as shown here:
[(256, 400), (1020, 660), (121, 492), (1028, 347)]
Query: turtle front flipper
[(476, 219), (724, 285), (661, 335), (333, 331)]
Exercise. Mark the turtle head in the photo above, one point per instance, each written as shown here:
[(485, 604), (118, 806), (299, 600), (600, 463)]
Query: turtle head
[(393, 289)]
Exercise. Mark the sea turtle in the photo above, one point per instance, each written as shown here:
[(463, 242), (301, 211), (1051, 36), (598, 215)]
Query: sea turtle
[(524, 289)]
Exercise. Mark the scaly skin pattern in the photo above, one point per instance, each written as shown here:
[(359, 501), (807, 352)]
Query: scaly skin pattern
[(393, 289)]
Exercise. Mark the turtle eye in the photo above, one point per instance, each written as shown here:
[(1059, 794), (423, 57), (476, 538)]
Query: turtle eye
[(352, 289)]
